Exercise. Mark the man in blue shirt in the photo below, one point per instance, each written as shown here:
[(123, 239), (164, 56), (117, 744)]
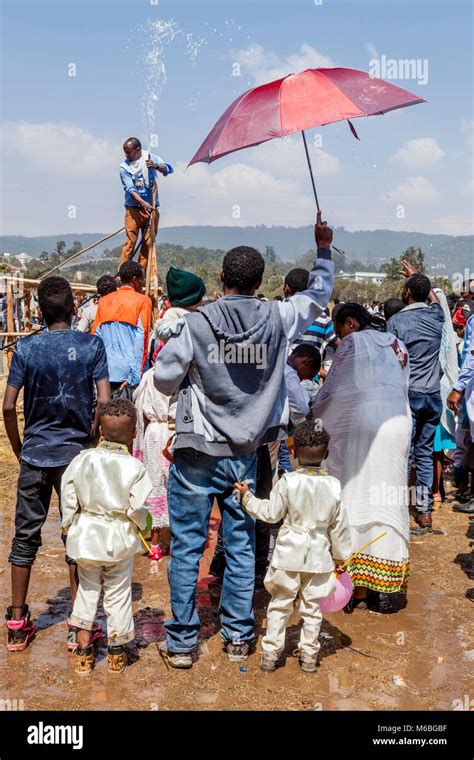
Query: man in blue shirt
[(57, 370), (138, 175), (420, 326)]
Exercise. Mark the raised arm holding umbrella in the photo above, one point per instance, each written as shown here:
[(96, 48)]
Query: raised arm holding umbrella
[(297, 102)]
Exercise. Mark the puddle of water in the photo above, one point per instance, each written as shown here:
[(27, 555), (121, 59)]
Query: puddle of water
[(149, 626)]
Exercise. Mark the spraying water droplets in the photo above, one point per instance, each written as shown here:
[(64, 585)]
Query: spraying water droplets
[(193, 46), (155, 37)]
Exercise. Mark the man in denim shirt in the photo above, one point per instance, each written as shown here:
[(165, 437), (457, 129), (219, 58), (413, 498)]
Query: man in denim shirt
[(420, 325), (138, 177)]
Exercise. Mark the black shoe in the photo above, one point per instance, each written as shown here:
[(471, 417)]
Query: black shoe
[(424, 520), (467, 509)]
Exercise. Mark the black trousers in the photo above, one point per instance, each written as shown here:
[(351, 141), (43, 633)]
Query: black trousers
[(34, 491)]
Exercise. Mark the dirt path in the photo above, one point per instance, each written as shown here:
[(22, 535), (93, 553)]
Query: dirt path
[(417, 659)]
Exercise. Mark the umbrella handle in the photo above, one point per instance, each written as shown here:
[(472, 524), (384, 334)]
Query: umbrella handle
[(310, 169)]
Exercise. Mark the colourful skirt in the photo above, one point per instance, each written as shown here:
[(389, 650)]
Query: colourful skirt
[(379, 574), (384, 566)]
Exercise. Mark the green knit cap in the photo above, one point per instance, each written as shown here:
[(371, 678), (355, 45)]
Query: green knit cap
[(184, 288)]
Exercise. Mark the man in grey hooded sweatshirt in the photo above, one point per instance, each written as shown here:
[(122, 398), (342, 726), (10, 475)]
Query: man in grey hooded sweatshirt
[(228, 363)]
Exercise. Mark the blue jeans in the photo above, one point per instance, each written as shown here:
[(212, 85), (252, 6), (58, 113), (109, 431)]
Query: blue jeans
[(263, 486), (426, 413), (284, 458), (195, 480)]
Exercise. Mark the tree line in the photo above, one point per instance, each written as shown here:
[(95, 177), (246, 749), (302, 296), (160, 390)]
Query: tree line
[(206, 263)]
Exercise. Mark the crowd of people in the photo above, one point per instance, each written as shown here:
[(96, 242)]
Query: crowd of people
[(314, 431)]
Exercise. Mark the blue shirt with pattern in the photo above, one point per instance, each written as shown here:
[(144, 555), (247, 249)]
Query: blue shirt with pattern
[(57, 371), (136, 184)]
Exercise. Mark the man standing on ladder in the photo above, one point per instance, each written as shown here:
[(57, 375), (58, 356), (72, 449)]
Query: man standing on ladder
[(138, 175)]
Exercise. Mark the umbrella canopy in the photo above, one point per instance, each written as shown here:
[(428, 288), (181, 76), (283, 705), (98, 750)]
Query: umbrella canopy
[(297, 102)]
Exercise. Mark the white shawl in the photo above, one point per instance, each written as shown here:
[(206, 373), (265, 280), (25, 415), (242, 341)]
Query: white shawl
[(448, 359), (138, 167), (363, 404)]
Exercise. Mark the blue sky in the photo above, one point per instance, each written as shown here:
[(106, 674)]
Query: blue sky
[(62, 135)]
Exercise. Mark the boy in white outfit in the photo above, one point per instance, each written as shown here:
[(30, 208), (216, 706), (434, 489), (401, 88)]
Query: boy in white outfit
[(315, 526), (103, 493)]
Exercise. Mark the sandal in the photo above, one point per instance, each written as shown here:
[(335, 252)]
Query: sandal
[(356, 604)]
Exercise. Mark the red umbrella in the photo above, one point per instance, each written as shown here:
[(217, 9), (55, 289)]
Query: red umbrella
[(297, 102)]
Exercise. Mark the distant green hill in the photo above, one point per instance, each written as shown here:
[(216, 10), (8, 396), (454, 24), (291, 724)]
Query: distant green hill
[(372, 248)]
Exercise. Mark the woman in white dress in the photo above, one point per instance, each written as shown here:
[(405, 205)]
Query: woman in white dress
[(151, 438), (363, 404)]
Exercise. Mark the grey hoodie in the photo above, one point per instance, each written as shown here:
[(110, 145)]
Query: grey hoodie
[(229, 361)]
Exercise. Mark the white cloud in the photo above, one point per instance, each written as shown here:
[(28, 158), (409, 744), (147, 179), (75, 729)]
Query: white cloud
[(270, 183), (420, 153), (266, 66), (236, 194), (414, 190), (286, 157), (62, 148), (62, 159), (323, 162)]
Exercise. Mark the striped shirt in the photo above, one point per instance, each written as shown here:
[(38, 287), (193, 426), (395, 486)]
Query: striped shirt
[(320, 333)]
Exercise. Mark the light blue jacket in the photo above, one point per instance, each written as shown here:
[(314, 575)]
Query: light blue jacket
[(137, 185)]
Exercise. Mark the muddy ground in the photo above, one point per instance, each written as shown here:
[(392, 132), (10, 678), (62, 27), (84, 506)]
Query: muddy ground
[(417, 659)]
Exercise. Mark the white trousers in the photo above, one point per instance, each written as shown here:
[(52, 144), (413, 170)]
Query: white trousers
[(116, 580), (284, 587)]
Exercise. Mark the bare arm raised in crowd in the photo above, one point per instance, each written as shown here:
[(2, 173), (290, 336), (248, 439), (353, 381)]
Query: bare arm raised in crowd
[(407, 270)]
